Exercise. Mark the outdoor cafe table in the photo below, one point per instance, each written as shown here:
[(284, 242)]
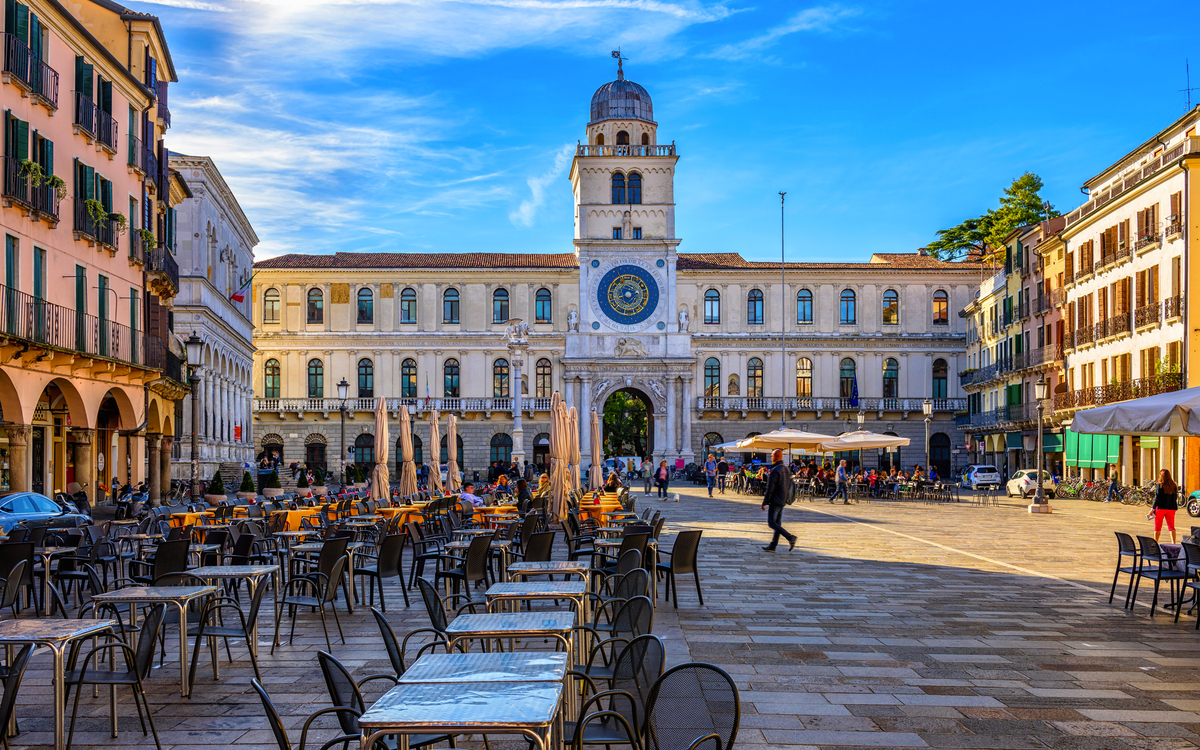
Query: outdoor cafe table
[(530, 709), (518, 666), (500, 626), (57, 635), (178, 596), (651, 551), (502, 596), (46, 553), (505, 547), (253, 575), (350, 550), (566, 567)]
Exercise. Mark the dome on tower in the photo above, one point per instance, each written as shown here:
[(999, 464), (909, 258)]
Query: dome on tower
[(621, 100)]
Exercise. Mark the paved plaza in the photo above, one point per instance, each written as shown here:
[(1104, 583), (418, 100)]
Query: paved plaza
[(890, 625)]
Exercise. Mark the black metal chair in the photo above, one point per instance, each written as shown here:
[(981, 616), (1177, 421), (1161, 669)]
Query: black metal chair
[(390, 644), (12, 676), (1126, 547), (1191, 563), (209, 627), (137, 668), (1164, 570), (345, 692), (332, 549), (280, 731), (690, 706), (682, 561), (426, 547), (632, 618), (471, 569), (537, 548), (170, 557), (621, 707), (322, 590), (12, 588), (435, 607), (389, 563), (10, 554)]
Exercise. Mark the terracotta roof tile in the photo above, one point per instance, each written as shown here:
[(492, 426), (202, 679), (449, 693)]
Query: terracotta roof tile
[(423, 260), (732, 261)]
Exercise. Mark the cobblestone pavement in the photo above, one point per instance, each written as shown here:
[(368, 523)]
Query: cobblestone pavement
[(890, 625)]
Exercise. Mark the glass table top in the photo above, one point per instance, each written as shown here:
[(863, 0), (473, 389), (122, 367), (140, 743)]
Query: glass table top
[(512, 623), (42, 630), (560, 566), (239, 571), (537, 588), (464, 704), (521, 666), (155, 593)]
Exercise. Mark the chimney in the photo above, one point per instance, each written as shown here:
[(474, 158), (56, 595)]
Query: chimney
[(922, 251)]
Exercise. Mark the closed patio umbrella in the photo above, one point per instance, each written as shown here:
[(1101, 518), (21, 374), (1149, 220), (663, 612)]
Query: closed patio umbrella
[(559, 455), (380, 476), (453, 480), (573, 431), (408, 472), (595, 478), (435, 442)]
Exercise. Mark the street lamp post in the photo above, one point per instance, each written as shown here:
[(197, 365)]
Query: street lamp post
[(195, 348), (1040, 504), (927, 410), (343, 390), (862, 418)]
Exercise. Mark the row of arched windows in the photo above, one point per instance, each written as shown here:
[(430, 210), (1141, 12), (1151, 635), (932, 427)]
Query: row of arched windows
[(315, 310), (847, 378), (847, 307), (543, 378), (626, 189)]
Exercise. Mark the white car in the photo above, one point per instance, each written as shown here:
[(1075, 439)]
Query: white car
[(1024, 483), (978, 476)]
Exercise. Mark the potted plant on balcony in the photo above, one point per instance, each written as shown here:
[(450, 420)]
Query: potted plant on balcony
[(318, 483), (247, 491), (147, 238), (273, 488), (120, 223), (215, 493)]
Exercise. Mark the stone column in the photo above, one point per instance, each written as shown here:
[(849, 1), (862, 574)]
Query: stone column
[(154, 467), (164, 470), (585, 422), (672, 419), (18, 465), (685, 445), (85, 462)]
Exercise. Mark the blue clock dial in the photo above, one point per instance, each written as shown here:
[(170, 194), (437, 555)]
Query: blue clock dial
[(627, 294)]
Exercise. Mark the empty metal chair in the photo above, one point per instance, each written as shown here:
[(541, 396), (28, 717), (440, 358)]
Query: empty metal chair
[(682, 561), (689, 706)]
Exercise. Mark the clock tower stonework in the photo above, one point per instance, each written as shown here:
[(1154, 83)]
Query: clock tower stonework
[(630, 331)]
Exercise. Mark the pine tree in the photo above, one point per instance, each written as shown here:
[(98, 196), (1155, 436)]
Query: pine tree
[(247, 483), (216, 486), (1020, 204)]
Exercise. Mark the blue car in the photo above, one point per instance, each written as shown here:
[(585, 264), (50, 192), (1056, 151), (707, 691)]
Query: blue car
[(34, 509)]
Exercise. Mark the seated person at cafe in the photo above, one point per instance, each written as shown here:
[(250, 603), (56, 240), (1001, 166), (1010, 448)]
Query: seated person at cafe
[(502, 485), (524, 496), (543, 485), (468, 495), (613, 484)]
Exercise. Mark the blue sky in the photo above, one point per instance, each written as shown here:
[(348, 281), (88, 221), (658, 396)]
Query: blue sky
[(421, 126)]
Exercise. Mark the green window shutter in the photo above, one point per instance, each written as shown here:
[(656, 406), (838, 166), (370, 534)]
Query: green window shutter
[(80, 289), (47, 156), (84, 75), (102, 298), (22, 23), (76, 177), (10, 16), (35, 37), (89, 183), (9, 136), (22, 129), (39, 272), (105, 193), (1020, 348), (105, 94)]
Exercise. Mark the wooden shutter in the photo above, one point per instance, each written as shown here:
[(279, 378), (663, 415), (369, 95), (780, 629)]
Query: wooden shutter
[(1176, 205), (22, 145), (1152, 290), (1141, 224), (48, 156), (104, 92), (35, 39), (84, 75), (1102, 302), (105, 193), (21, 23)]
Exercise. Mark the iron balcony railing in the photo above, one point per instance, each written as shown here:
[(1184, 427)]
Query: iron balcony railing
[(1173, 228), (150, 162), (45, 201), (103, 231), (1083, 335), (817, 403), (164, 113), (1173, 307), (1043, 355), (1147, 241), (106, 129), (1023, 310), (1115, 257), (585, 149), (1123, 391), (442, 404), (160, 260), (45, 83), (135, 152), (25, 317), (1069, 274), (85, 113), (137, 248), (16, 185), (1085, 267), (1147, 315), (19, 61)]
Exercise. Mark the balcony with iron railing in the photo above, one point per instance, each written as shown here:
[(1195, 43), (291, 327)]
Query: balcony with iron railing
[(1172, 229), (1118, 256), (630, 149), (1148, 242), (19, 62), (135, 153), (16, 187), (1121, 391), (137, 246), (1085, 269), (1023, 310), (45, 202), (103, 231), (1173, 307), (1043, 355), (822, 404), (1069, 274), (85, 114), (1147, 315), (415, 405), (106, 130), (45, 84), (150, 162), (1114, 326), (1057, 298), (1084, 336), (161, 262), (1068, 341)]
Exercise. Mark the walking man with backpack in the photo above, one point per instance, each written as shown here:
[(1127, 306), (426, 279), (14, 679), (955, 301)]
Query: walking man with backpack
[(780, 492)]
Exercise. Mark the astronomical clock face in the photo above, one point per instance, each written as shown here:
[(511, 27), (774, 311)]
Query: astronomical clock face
[(627, 295)]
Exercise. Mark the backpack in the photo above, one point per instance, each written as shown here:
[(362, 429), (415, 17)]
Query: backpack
[(789, 490)]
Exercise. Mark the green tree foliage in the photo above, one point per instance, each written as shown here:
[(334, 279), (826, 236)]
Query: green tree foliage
[(302, 480), (273, 481), (318, 477), (216, 486), (247, 482), (1020, 204), (624, 425)]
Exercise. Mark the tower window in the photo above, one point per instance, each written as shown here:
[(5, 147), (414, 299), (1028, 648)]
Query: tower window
[(599, 139), (622, 138), (637, 233), (618, 188), (645, 139), (635, 187), (616, 233)]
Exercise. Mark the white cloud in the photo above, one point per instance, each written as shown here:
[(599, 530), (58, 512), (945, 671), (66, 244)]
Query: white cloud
[(823, 18), (527, 211)]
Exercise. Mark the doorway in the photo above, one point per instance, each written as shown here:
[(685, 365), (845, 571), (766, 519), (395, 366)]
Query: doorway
[(37, 456), (628, 424)]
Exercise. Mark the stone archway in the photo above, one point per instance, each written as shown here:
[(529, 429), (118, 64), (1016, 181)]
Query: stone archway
[(635, 434)]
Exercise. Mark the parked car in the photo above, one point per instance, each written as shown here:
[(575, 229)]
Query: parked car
[(1024, 483), (34, 509), (980, 476)]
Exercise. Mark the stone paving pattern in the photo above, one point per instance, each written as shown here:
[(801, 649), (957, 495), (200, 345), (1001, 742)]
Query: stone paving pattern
[(890, 625)]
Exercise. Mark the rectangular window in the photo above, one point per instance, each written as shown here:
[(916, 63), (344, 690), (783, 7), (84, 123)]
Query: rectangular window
[(637, 233), (616, 233), (408, 306)]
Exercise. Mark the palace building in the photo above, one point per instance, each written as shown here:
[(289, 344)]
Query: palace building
[(717, 347)]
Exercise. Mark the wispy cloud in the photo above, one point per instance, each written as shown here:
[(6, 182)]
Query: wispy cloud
[(527, 211), (823, 18)]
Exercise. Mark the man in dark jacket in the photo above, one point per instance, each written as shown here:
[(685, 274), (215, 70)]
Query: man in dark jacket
[(779, 490)]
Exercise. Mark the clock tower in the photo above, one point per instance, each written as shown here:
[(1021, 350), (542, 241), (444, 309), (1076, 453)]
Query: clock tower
[(629, 331)]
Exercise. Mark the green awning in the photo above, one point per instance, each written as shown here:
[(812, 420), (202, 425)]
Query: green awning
[(1114, 448), (1071, 448), (1012, 441), (1090, 451), (1149, 442), (1052, 442)]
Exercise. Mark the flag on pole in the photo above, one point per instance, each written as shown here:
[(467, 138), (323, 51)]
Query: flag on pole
[(854, 392), (240, 294)]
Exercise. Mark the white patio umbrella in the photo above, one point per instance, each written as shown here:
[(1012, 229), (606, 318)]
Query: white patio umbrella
[(435, 443), (862, 440), (1175, 414), (783, 438), (453, 480), (380, 477), (574, 457), (595, 478), (408, 472)]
